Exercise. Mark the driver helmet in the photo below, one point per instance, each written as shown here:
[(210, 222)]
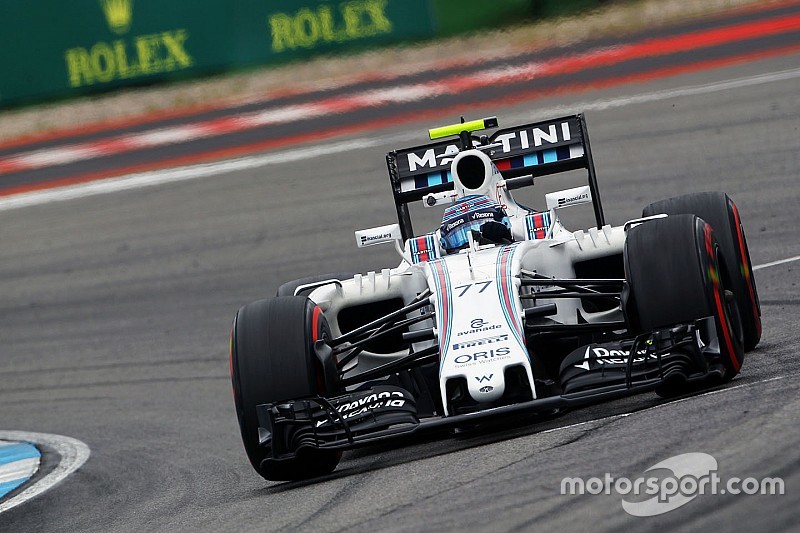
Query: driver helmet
[(468, 214)]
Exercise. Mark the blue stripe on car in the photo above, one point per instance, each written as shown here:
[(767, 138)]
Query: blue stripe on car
[(505, 288)]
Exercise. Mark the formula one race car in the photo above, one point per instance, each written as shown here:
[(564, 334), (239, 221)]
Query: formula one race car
[(501, 310)]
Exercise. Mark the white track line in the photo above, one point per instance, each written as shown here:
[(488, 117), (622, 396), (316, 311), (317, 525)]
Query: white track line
[(778, 262), (692, 90), (73, 454), (159, 177)]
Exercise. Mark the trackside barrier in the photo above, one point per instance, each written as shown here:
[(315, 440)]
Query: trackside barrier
[(54, 49)]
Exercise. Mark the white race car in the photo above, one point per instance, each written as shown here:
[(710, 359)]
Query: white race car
[(500, 310)]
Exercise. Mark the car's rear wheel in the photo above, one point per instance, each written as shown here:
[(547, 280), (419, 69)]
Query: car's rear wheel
[(718, 209), (272, 359), (675, 272)]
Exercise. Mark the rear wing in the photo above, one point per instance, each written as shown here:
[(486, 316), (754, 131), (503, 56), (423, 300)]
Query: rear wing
[(520, 153)]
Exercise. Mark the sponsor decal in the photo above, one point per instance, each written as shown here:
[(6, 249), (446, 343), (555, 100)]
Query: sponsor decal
[(378, 235), (429, 157), (480, 342), (514, 141), (455, 224), (568, 197), (310, 28), (483, 356), (564, 201), (470, 217), (487, 388), (604, 356), (371, 238), (365, 404), (478, 325), (373, 401), (537, 225), (481, 379), (423, 248), (126, 57)]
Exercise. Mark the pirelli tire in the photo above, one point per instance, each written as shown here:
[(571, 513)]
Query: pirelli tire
[(288, 288), (675, 271), (720, 211), (272, 359)]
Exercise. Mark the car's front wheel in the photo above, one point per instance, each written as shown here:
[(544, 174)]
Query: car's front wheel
[(272, 360), (718, 209), (675, 272)]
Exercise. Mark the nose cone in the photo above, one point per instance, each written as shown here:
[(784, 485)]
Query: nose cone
[(486, 387)]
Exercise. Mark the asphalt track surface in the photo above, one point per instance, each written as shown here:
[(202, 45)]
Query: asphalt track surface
[(116, 309)]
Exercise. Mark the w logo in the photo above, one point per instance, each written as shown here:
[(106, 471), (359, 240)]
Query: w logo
[(484, 378)]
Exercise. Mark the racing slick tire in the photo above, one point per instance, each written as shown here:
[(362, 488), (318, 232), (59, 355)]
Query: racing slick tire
[(675, 271), (272, 359), (718, 209), (288, 288)]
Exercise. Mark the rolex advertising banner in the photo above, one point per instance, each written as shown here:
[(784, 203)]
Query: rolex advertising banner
[(52, 48)]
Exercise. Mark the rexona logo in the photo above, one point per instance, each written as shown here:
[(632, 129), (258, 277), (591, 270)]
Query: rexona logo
[(348, 21), (126, 57), (452, 225)]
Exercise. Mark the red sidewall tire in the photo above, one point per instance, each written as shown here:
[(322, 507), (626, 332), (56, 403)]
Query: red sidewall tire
[(674, 275), (721, 212)]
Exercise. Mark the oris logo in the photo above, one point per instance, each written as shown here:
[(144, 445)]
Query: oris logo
[(483, 356)]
